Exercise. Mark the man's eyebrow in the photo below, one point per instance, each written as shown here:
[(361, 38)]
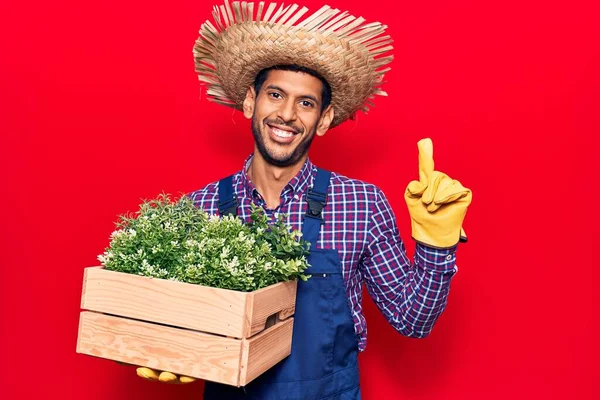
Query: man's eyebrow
[(306, 96)]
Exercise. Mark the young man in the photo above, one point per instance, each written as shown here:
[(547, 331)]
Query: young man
[(290, 82)]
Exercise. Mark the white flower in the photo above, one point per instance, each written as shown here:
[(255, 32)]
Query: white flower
[(225, 252), (232, 265), (104, 258)]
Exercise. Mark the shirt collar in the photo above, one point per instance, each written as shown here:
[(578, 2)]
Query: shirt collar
[(298, 184)]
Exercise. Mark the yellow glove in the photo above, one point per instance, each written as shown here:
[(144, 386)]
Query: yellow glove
[(164, 376), (436, 203)]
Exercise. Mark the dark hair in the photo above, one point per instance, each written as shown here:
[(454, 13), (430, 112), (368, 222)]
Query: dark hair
[(261, 77)]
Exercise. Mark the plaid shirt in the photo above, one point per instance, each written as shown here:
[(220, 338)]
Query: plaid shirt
[(361, 226)]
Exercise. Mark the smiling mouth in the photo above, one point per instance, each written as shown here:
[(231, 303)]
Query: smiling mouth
[(282, 133)]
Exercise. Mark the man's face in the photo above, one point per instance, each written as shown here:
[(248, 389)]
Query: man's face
[(286, 115)]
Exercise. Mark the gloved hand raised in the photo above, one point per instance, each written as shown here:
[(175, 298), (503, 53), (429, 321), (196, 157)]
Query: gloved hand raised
[(436, 203)]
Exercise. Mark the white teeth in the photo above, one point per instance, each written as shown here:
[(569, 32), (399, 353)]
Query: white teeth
[(280, 133)]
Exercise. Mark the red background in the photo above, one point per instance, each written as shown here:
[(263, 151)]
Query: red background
[(100, 107)]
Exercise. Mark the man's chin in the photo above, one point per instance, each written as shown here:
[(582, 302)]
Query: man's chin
[(279, 161), (273, 154)]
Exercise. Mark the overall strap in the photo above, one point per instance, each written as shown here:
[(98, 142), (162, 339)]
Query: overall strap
[(227, 199), (316, 197)]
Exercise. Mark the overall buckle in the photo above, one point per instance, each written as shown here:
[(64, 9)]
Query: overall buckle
[(316, 203)]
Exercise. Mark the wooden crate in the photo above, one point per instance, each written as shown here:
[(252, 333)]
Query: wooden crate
[(207, 333)]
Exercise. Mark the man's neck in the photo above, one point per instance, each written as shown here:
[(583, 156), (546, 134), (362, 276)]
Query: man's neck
[(270, 179)]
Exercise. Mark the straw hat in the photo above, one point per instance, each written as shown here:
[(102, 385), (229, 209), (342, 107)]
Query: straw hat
[(246, 38)]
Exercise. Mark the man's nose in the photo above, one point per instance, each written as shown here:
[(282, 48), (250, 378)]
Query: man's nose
[(287, 111)]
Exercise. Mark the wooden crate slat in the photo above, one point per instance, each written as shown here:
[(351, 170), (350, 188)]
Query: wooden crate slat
[(179, 304), (180, 351), (263, 351)]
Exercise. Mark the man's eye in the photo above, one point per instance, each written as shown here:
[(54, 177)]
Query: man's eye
[(275, 95), (307, 103)]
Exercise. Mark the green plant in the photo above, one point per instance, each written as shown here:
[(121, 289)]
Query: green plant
[(178, 241)]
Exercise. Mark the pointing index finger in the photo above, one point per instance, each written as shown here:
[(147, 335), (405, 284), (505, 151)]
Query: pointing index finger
[(425, 160)]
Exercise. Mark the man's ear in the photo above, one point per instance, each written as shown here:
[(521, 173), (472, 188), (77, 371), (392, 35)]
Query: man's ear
[(249, 102), (325, 121)]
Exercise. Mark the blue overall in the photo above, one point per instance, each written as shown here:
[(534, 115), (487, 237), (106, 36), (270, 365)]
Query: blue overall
[(324, 360)]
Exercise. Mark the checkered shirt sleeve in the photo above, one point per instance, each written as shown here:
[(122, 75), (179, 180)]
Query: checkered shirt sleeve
[(411, 296)]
